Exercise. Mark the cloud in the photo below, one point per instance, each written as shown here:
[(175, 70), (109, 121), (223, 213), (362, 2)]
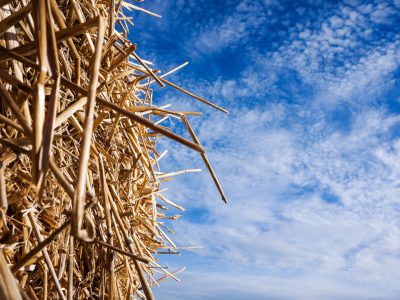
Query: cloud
[(232, 29), (338, 57), (276, 173), (308, 155), (332, 53), (252, 285)]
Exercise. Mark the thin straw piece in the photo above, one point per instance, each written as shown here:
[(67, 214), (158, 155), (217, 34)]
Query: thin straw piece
[(205, 159), (80, 186), (8, 284), (14, 18)]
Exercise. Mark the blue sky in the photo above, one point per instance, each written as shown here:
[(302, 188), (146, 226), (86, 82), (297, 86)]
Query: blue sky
[(309, 154)]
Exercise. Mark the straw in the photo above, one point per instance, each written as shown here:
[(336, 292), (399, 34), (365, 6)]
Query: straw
[(82, 203)]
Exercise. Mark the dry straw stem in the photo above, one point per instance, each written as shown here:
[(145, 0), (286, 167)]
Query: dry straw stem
[(8, 284), (81, 205)]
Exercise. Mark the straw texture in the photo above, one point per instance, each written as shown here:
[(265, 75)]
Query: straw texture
[(81, 206)]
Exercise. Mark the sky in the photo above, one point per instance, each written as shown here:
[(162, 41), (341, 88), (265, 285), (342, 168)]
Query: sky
[(309, 154)]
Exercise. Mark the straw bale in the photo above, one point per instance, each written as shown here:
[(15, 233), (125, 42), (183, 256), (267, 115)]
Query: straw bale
[(81, 206)]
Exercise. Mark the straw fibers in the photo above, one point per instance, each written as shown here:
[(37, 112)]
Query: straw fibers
[(82, 214)]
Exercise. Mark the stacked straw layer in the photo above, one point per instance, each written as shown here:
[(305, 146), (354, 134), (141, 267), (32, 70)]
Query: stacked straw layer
[(81, 209)]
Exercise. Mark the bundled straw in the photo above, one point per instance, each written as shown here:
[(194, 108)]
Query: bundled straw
[(81, 209)]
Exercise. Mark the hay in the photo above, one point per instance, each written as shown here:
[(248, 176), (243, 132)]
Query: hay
[(82, 212)]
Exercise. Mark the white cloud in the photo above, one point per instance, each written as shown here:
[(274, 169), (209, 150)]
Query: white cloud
[(253, 285), (268, 225), (332, 54), (314, 204), (232, 29)]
